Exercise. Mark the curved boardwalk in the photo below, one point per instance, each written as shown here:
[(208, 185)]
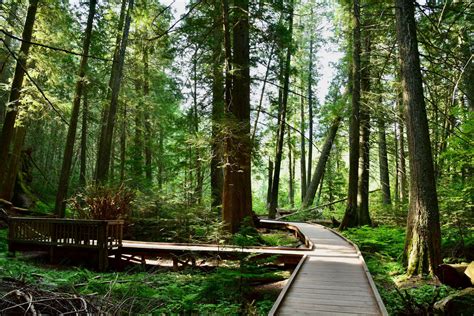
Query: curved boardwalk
[(331, 280)]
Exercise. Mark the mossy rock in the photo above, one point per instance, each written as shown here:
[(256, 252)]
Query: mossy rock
[(459, 304)]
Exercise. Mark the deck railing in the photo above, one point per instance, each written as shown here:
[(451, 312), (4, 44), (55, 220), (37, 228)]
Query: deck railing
[(104, 234), (103, 237)]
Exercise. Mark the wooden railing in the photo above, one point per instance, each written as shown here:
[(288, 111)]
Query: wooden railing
[(55, 233)]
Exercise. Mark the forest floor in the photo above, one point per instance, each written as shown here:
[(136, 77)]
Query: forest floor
[(235, 287)]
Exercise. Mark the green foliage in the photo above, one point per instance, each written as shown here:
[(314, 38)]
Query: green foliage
[(103, 202)]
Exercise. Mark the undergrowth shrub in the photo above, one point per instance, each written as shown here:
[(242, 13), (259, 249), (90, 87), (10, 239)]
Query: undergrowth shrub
[(103, 202)]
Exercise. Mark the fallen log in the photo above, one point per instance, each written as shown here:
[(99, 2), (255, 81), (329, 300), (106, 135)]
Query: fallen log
[(453, 275)]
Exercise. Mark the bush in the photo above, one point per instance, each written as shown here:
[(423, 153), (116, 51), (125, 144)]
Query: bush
[(102, 202)]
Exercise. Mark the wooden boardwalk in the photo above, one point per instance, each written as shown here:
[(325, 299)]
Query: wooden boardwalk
[(332, 279)]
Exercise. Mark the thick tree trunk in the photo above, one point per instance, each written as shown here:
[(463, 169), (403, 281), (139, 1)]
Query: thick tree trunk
[(282, 123), (105, 146), (318, 173), (383, 161), (237, 192), (7, 138), (217, 176), (350, 217), (423, 239), (83, 157), (61, 195), (364, 140)]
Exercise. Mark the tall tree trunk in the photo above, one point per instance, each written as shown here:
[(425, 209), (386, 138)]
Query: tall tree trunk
[(5, 63), (147, 123), (162, 157), (197, 196), (323, 158), (61, 194), (303, 151), (402, 174), (423, 239), (282, 123), (123, 143), (310, 109), (364, 140), (83, 158), (269, 182), (103, 156), (138, 140), (383, 161), (350, 217), (397, 165), (291, 182), (237, 192), (8, 130), (217, 176)]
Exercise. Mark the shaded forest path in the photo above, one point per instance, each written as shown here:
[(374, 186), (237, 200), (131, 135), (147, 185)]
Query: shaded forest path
[(332, 279)]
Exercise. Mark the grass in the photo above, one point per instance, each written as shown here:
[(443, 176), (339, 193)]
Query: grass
[(221, 291)]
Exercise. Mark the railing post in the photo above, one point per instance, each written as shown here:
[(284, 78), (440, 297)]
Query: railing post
[(102, 245), (11, 238)]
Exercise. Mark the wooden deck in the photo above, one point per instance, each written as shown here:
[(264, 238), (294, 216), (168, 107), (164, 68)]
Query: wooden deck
[(332, 279)]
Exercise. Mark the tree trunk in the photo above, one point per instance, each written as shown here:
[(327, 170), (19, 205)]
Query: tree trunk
[(61, 195), (350, 217), (270, 182), (401, 171), (423, 239), (303, 151), (363, 214), (162, 157), (282, 123), (291, 189), (103, 156), (123, 143), (383, 161), (147, 123), (115, 63), (83, 158), (8, 130), (237, 192), (323, 158), (217, 113), (310, 109)]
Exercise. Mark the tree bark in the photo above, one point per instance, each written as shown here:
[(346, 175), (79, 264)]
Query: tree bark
[(84, 127), (323, 158), (105, 146), (61, 194), (217, 176), (147, 123), (8, 130), (291, 184), (281, 128), (423, 239), (303, 150), (350, 217), (310, 108), (269, 182), (383, 161), (363, 214), (237, 192)]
